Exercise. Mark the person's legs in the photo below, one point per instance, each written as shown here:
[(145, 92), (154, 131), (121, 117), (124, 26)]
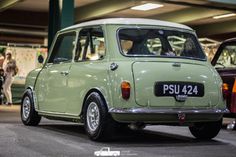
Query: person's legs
[(9, 94), (1, 96), (7, 89)]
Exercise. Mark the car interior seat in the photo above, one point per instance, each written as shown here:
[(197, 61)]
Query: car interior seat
[(189, 49), (139, 48)]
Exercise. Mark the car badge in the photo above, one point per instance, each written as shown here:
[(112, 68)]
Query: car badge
[(181, 98)]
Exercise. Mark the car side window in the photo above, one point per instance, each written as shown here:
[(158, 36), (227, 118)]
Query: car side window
[(227, 57), (63, 48), (90, 45)]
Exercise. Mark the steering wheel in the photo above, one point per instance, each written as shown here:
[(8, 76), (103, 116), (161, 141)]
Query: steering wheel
[(218, 63)]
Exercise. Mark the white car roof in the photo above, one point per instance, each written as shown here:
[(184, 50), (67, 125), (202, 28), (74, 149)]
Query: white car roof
[(128, 21)]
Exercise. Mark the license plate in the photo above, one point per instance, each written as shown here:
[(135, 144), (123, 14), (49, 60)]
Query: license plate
[(189, 89)]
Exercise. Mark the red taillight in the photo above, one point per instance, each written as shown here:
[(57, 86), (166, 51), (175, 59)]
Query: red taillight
[(225, 90), (233, 99), (125, 90)]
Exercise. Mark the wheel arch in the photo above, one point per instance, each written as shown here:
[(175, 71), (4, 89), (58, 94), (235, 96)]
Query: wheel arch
[(87, 95), (33, 118), (30, 89)]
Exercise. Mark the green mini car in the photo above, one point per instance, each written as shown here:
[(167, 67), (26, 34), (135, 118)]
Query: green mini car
[(112, 73)]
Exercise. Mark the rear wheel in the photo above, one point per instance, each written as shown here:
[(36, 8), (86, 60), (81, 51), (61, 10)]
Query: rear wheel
[(206, 130), (99, 124), (28, 114)]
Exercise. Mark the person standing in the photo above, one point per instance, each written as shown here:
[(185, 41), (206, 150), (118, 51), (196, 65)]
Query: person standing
[(2, 78), (10, 69), (2, 58), (2, 75)]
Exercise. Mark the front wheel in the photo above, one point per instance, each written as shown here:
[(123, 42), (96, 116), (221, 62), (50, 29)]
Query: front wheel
[(28, 114), (99, 124), (206, 130)]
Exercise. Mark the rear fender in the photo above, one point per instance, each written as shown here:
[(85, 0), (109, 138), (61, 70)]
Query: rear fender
[(87, 95)]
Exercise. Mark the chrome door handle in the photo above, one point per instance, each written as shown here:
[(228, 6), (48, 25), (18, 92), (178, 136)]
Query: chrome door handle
[(176, 64), (65, 73)]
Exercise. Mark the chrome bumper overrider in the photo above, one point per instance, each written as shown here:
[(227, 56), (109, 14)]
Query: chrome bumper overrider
[(168, 111)]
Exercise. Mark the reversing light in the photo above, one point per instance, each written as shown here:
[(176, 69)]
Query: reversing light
[(225, 90), (125, 90)]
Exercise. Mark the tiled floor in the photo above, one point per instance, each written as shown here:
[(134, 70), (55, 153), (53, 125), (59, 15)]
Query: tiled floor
[(10, 114)]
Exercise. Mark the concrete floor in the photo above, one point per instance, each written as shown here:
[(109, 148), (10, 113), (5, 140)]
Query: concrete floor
[(55, 138)]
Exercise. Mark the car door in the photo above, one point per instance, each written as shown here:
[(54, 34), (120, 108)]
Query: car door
[(52, 83), (225, 63), (88, 69)]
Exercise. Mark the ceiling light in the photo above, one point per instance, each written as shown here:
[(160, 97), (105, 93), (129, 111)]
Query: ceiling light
[(147, 6), (224, 16)]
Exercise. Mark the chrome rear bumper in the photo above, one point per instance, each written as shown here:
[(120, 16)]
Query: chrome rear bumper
[(146, 110), (167, 115)]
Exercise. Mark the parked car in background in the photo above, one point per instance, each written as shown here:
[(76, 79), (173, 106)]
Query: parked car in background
[(225, 63), (116, 72)]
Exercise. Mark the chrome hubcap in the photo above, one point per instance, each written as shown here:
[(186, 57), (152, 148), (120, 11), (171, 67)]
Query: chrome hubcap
[(93, 116), (26, 107)]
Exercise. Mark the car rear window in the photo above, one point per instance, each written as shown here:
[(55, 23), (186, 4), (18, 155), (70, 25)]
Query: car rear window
[(158, 42)]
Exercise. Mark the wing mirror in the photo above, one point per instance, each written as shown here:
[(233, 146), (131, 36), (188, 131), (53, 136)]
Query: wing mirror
[(40, 59)]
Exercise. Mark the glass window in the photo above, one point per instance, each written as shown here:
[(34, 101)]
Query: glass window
[(63, 48), (90, 44), (156, 42), (227, 57)]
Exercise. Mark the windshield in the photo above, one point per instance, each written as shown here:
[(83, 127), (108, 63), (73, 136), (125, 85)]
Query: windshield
[(159, 42)]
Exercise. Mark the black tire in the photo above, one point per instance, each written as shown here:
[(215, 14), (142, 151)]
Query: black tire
[(206, 130), (105, 127), (30, 118)]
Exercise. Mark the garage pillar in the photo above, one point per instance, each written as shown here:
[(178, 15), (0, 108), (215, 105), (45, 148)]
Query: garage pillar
[(54, 20), (67, 13), (61, 15)]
